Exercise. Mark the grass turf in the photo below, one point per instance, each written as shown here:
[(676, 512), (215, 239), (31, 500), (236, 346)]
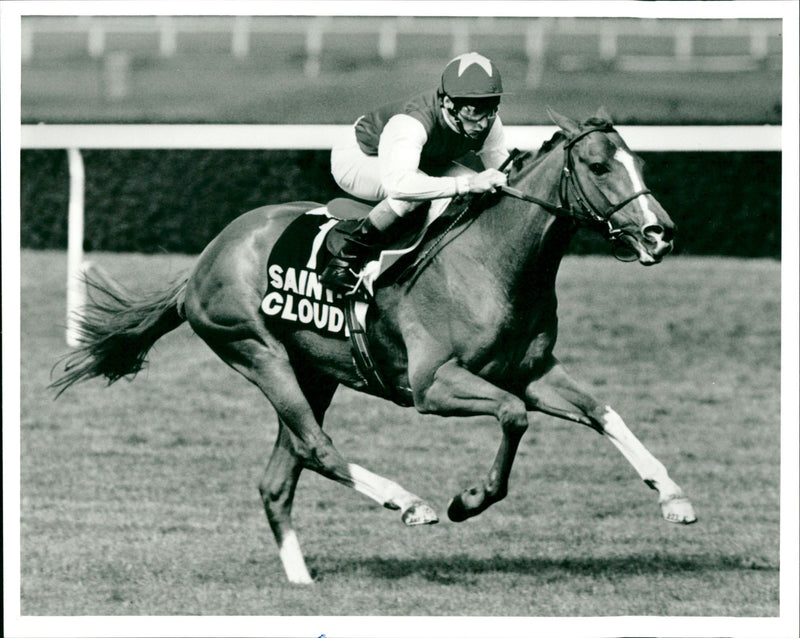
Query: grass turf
[(141, 499)]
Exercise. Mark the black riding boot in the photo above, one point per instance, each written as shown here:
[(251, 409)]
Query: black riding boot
[(341, 272)]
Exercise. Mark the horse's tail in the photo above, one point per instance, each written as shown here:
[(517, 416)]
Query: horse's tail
[(117, 329)]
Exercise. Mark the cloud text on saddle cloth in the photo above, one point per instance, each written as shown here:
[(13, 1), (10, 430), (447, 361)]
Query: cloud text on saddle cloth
[(298, 296)]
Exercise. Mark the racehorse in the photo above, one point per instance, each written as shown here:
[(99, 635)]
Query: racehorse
[(471, 333)]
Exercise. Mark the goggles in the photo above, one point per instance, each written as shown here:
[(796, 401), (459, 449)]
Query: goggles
[(468, 115)]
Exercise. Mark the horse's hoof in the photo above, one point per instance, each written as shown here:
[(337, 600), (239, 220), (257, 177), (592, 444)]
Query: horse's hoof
[(420, 514), (456, 511), (678, 509), (301, 580), (469, 503)]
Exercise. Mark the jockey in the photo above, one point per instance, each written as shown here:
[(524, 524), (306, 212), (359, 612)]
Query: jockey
[(401, 155)]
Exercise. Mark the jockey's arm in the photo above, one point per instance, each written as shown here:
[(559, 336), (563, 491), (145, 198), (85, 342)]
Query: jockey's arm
[(399, 153)]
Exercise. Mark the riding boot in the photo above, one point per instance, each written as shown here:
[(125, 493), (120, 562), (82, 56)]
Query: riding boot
[(341, 273)]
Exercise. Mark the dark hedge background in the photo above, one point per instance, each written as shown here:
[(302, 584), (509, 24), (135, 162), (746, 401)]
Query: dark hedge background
[(178, 200)]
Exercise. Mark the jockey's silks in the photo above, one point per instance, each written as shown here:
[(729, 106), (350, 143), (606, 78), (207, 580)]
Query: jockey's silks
[(443, 144)]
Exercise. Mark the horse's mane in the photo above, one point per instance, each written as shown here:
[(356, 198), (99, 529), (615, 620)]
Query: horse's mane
[(550, 144), (558, 136)]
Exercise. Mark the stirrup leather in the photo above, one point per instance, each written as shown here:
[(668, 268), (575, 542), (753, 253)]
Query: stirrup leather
[(343, 270)]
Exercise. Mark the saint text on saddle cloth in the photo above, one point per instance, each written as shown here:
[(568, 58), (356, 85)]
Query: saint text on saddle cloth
[(472, 334)]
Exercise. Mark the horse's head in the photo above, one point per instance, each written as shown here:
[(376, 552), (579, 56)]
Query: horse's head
[(603, 180)]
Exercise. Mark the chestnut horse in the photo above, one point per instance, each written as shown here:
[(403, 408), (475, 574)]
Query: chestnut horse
[(471, 333)]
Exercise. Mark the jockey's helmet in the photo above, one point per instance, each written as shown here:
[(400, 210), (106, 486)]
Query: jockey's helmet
[(471, 75)]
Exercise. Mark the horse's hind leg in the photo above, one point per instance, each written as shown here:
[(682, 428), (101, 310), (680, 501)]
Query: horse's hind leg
[(277, 493), (279, 482), (277, 488), (264, 361)]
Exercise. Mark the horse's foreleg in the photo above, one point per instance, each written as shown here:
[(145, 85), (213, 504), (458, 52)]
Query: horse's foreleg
[(456, 391), (558, 394)]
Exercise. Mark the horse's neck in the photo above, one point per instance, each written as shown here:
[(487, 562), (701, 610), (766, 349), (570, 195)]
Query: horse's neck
[(527, 241)]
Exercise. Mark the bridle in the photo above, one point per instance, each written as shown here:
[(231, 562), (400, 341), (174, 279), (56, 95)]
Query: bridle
[(575, 204)]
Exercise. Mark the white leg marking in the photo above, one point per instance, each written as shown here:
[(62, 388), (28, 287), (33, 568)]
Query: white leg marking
[(675, 507), (380, 489), (626, 159), (292, 558), (649, 467)]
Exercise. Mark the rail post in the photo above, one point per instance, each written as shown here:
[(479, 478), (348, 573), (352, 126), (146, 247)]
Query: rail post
[(387, 40), (167, 36), (96, 39), (314, 40), (535, 49), (460, 35), (76, 287), (240, 37)]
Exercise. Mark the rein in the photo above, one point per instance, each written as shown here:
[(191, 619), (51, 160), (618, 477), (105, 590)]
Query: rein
[(585, 212), (570, 184)]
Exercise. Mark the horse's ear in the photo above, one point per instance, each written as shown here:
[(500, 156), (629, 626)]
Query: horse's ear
[(570, 127), (602, 114)]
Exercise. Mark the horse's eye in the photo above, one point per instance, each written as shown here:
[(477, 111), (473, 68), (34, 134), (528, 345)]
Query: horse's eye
[(598, 169)]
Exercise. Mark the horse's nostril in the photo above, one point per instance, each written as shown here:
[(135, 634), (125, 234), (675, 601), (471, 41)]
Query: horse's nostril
[(655, 233)]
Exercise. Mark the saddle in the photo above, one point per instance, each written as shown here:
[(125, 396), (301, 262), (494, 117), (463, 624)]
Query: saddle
[(295, 298), (406, 232)]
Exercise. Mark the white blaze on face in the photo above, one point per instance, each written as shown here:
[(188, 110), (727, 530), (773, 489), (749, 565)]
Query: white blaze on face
[(626, 159)]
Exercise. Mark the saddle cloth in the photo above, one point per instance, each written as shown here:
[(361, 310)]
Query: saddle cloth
[(295, 296)]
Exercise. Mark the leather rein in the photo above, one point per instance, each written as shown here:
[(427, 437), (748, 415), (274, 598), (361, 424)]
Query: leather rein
[(571, 188)]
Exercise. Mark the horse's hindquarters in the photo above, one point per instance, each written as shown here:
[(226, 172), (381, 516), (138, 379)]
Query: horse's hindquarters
[(225, 289)]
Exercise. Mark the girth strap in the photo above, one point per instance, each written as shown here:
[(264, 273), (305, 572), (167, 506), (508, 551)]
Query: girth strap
[(365, 364), (360, 347)]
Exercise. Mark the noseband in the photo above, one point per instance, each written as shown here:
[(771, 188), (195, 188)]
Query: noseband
[(583, 210)]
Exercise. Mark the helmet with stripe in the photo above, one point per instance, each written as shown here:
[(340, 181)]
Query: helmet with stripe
[(471, 75)]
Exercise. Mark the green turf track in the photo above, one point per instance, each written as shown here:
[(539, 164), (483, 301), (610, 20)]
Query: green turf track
[(141, 499)]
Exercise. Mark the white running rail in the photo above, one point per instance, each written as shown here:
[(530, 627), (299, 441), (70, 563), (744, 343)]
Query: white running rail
[(74, 137)]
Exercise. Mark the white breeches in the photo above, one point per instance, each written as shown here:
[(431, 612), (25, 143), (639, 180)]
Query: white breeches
[(359, 174)]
